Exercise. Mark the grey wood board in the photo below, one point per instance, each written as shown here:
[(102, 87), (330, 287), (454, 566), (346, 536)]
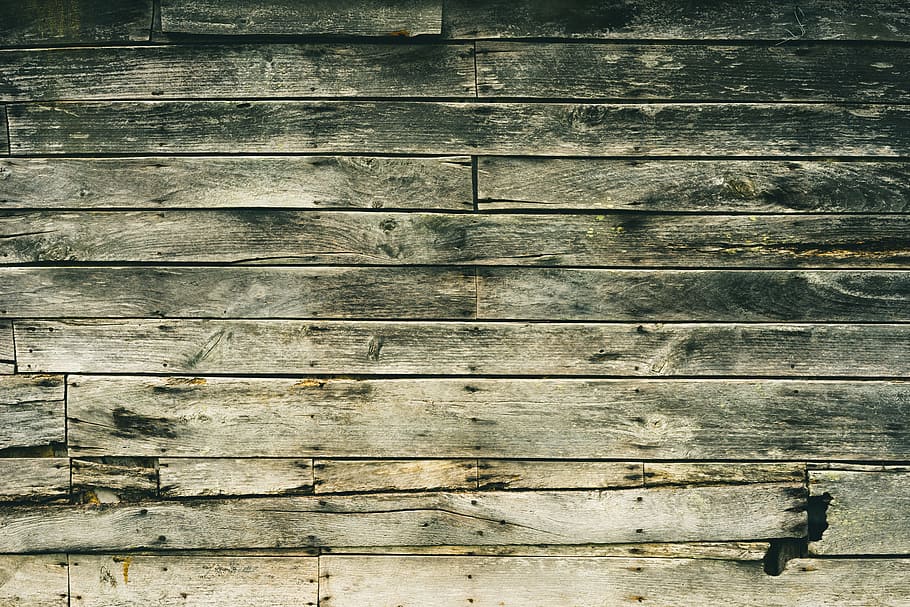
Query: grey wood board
[(38, 580), (422, 519), (113, 480), (314, 17), (7, 348), (242, 71), (4, 138), (37, 479), (32, 411), (214, 477), (238, 292), (346, 476), (40, 22), (746, 186), (365, 237), (489, 418), (165, 182), (538, 474), (413, 127), (728, 473)]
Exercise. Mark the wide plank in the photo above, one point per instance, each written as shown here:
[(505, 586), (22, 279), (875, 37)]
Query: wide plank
[(38, 580), (689, 295), (32, 411), (364, 237), (318, 182), (421, 519), (409, 127), (36, 479), (7, 349), (420, 418), (110, 480), (360, 476), (238, 292), (678, 19), (314, 17), (867, 511), (538, 474), (745, 186), (40, 22), (212, 477), (244, 71), (198, 581)]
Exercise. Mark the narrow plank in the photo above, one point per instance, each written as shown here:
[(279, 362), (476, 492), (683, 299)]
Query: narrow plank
[(38, 580), (558, 129), (455, 348), (368, 581), (4, 140), (39, 22), (371, 238), (339, 17), (692, 474), (238, 292), (692, 72), (537, 474), (210, 477), (867, 513), (341, 476), (39, 479), (7, 348), (128, 580), (690, 295), (418, 519), (246, 71), (421, 418), (111, 480), (32, 411), (756, 186), (678, 19)]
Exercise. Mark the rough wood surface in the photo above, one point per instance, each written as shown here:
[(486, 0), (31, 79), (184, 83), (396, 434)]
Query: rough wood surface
[(31, 411), (423, 519), (7, 349), (263, 236), (4, 141), (238, 292), (867, 513), (454, 348), (729, 473), (114, 480), (685, 295), (39, 22), (191, 477), (341, 476), (34, 581), (632, 419), (758, 186), (249, 71), (257, 181), (678, 19), (345, 17), (558, 129), (537, 474), (39, 479), (197, 581)]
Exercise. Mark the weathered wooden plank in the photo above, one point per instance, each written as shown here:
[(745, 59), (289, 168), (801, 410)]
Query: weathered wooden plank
[(693, 72), (40, 22), (537, 474), (31, 411), (618, 419), (678, 19), (690, 295), (7, 348), (368, 581), (4, 141), (248, 71), (258, 181), (867, 511), (38, 580), (422, 519), (776, 186), (129, 580), (455, 348), (111, 480), (701, 473), (38, 479), (346, 17), (365, 237), (557, 129), (190, 477), (341, 476), (238, 292)]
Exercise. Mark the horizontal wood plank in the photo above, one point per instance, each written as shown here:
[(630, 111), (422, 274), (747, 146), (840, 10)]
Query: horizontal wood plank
[(37, 479), (314, 17), (631, 419), (114, 479), (701, 473), (7, 349), (558, 129), (345, 476), (4, 141), (38, 580), (212, 477), (537, 474), (237, 292), (756, 186), (39, 22), (32, 411)]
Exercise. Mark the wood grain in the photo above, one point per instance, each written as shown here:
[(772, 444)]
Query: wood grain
[(408, 127), (208, 477), (7, 348), (39, 22), (111, 480), (32, 411), (630, 419), (38, 479), (537, 474), (729, 473), (38, 580), (345, 476)]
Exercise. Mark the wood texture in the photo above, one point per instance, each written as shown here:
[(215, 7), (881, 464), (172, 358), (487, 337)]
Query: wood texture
[(238, 292), (39, 479), (867, 513), (257, 181), (248, 71), (657, 474), (345, 17), (32, 411), (750, 186), (635, 419), (38, 580), (689, 295), (536, 474), (192, 477), (4, 141), (197, 581), (113, 480), (559, 129), (345, 476), (7, 348), (39, 22)]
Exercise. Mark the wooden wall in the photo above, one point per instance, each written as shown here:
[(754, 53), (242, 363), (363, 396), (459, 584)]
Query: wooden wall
[(357, 303)]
